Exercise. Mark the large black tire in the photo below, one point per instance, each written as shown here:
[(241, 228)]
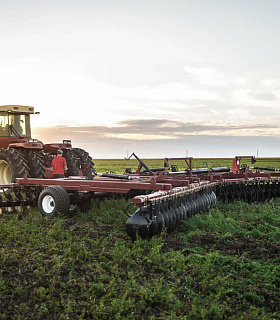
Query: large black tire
[(12, 165), (35, 163), (73, 162), (84, 157), (53, 200), (85, 205)]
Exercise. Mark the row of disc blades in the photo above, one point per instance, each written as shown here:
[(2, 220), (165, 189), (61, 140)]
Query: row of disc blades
[(166, 213)]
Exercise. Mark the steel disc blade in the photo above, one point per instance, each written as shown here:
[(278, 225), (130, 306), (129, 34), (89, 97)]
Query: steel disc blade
[(137, 224), (160, 222)]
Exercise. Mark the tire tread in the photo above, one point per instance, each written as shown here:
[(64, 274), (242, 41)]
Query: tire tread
[(17, 162)]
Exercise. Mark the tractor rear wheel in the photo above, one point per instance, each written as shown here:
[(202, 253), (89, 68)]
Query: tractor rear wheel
[(13, 165), (84, 157), (35, 163), (73, 162)]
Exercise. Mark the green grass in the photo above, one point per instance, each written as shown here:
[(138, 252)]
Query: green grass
[(119, 165), (217, 265)]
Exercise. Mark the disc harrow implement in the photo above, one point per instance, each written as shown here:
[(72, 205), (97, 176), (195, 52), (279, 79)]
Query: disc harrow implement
[(162, 210), (163, 197), (201, 187)]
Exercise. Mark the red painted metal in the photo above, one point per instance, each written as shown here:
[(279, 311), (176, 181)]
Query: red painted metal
[(178, 179), (96, 185), (163, 183), (53, 147), (48, 173), (188, 161), (239, 158), (38, 145), (6, 141), (150, 198)]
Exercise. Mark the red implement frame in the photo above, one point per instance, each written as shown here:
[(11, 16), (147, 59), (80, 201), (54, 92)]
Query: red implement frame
[(97, 185), (188, 161)]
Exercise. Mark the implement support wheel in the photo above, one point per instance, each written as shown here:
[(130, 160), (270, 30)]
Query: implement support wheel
[(54, 200)]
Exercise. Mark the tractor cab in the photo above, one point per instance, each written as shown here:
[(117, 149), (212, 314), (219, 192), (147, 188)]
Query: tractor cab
[(14, 124)]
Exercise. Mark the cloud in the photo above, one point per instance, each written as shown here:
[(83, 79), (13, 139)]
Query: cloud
[(65, 96), (154, 129), (256, 91), (178, 128), (206, 75), (263, 95), (104, 142), (206, 94)]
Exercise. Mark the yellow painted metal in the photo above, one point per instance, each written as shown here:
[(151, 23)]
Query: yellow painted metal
[(17, 109)]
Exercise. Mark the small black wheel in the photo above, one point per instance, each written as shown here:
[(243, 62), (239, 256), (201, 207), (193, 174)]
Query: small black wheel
[(85, 205), (54, 200)]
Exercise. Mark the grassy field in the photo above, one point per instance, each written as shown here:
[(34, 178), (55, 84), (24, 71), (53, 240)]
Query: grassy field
[(216, 265), (119, 165)]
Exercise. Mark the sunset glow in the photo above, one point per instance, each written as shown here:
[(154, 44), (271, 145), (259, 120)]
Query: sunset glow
[(116, 76)]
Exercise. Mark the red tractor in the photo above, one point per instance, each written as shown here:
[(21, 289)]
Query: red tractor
[(20, 154)]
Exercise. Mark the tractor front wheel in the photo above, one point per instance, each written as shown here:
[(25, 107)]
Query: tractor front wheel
[(13, 165)]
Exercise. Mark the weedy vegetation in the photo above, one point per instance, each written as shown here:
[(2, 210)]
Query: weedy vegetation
[(216, 265)]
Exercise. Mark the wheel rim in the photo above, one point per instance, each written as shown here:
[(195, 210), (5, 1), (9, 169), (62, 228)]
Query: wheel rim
[(5, 172), (48, 204)]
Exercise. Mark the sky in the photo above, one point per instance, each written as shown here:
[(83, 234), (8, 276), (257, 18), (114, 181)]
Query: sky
[(158, 78)]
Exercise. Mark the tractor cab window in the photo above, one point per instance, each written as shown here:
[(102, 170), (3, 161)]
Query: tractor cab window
[(4, 126), (19, 125), (15, 125)]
